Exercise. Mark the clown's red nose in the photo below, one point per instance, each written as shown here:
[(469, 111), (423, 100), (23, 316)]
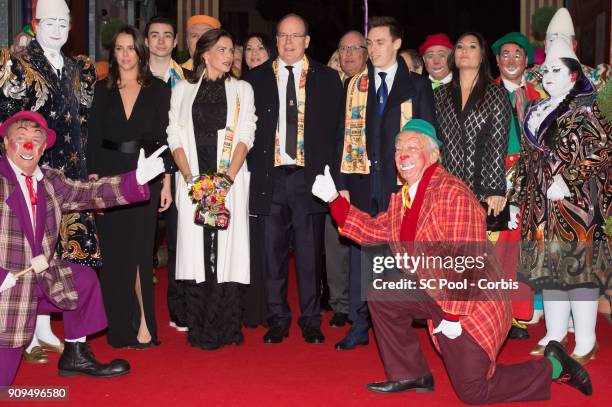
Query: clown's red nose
[(28, 145)]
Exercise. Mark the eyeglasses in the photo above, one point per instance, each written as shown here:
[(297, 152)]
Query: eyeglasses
[(345, 49), (292, 37)]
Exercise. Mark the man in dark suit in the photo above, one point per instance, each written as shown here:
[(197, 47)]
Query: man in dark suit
[(378, 100), (298, 105)]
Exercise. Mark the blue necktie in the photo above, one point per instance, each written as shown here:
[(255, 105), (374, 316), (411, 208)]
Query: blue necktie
[(382, 94)]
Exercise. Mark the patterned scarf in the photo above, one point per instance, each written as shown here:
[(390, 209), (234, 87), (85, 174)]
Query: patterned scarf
[(226, 153), (354, 154), (301, 106), (176, 73)]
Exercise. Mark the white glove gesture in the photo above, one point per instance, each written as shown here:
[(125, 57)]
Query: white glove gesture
[(450, 329), (514, 221), (9, 282), (558, 189), (149, 167), (324, 187)]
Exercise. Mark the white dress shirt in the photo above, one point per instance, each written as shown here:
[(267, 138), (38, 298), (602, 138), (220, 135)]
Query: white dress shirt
[(412, 190), (390, 71), (444, 80), (37, 176), (283, 77), (511, 86)]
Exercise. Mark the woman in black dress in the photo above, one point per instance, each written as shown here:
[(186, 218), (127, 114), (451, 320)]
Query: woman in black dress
[(212, 127), (129, 112)]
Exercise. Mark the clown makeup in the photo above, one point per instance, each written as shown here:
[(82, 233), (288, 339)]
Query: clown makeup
[(413, 155), (52, 32), (512, 62), (556, 78), (25, 145), (436, 61)]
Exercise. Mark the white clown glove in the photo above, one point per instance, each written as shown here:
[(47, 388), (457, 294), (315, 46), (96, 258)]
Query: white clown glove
[(324, 187), (558, 189), (514, 221), (9, 282), (450, 329), (149, 167)]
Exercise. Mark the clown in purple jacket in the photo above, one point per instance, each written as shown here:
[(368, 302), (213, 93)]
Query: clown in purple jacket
[(32, 200)]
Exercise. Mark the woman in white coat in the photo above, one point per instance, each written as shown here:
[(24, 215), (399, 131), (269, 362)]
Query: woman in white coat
[(212, 127)]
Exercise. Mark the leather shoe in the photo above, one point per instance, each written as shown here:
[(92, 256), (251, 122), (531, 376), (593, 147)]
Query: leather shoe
[(338, 320), (52, 348), (78, 359), (572, 372), (312, 335), (422, 384), (352, 340), (276, 334), (37, 356), (518, 332)]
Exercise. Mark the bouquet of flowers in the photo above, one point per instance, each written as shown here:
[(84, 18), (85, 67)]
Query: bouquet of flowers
[(209, 192)]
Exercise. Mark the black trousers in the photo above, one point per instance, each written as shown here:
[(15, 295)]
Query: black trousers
[(289, 212)]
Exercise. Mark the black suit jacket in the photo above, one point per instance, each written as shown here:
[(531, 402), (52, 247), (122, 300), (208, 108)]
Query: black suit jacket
[(383, 129), (321, 120)]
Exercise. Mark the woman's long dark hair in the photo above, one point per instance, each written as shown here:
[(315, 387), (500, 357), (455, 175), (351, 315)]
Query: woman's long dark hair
[(484, 69), (582, 83), (144, 73), (265, 41), (206, 42)]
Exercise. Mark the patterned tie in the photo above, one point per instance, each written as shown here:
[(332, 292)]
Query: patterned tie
[(435, 84), (291, 116), (519, 104), (33, 198), (406, 201), (383, 93)]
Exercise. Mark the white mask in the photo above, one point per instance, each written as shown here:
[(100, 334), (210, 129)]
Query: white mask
[(556, 78), (52, 32)]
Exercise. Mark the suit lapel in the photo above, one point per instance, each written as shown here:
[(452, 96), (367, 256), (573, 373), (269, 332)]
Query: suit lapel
[(398, 92), (16, 201)]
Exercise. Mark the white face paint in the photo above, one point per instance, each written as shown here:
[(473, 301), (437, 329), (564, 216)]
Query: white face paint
[(556, 78), (52, 32)]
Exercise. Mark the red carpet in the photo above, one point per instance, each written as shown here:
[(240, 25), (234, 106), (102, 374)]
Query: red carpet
[(291, 374)]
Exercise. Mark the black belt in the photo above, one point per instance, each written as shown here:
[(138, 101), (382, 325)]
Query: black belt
[(133, 146), (290, 168)]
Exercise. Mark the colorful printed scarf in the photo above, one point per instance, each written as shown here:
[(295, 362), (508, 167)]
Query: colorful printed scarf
[(226, 153), (354, 154)]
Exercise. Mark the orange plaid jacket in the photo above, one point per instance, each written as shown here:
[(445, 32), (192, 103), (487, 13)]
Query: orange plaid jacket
[(449, 213)]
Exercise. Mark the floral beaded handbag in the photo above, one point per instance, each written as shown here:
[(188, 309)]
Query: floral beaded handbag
[(209, 192)]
